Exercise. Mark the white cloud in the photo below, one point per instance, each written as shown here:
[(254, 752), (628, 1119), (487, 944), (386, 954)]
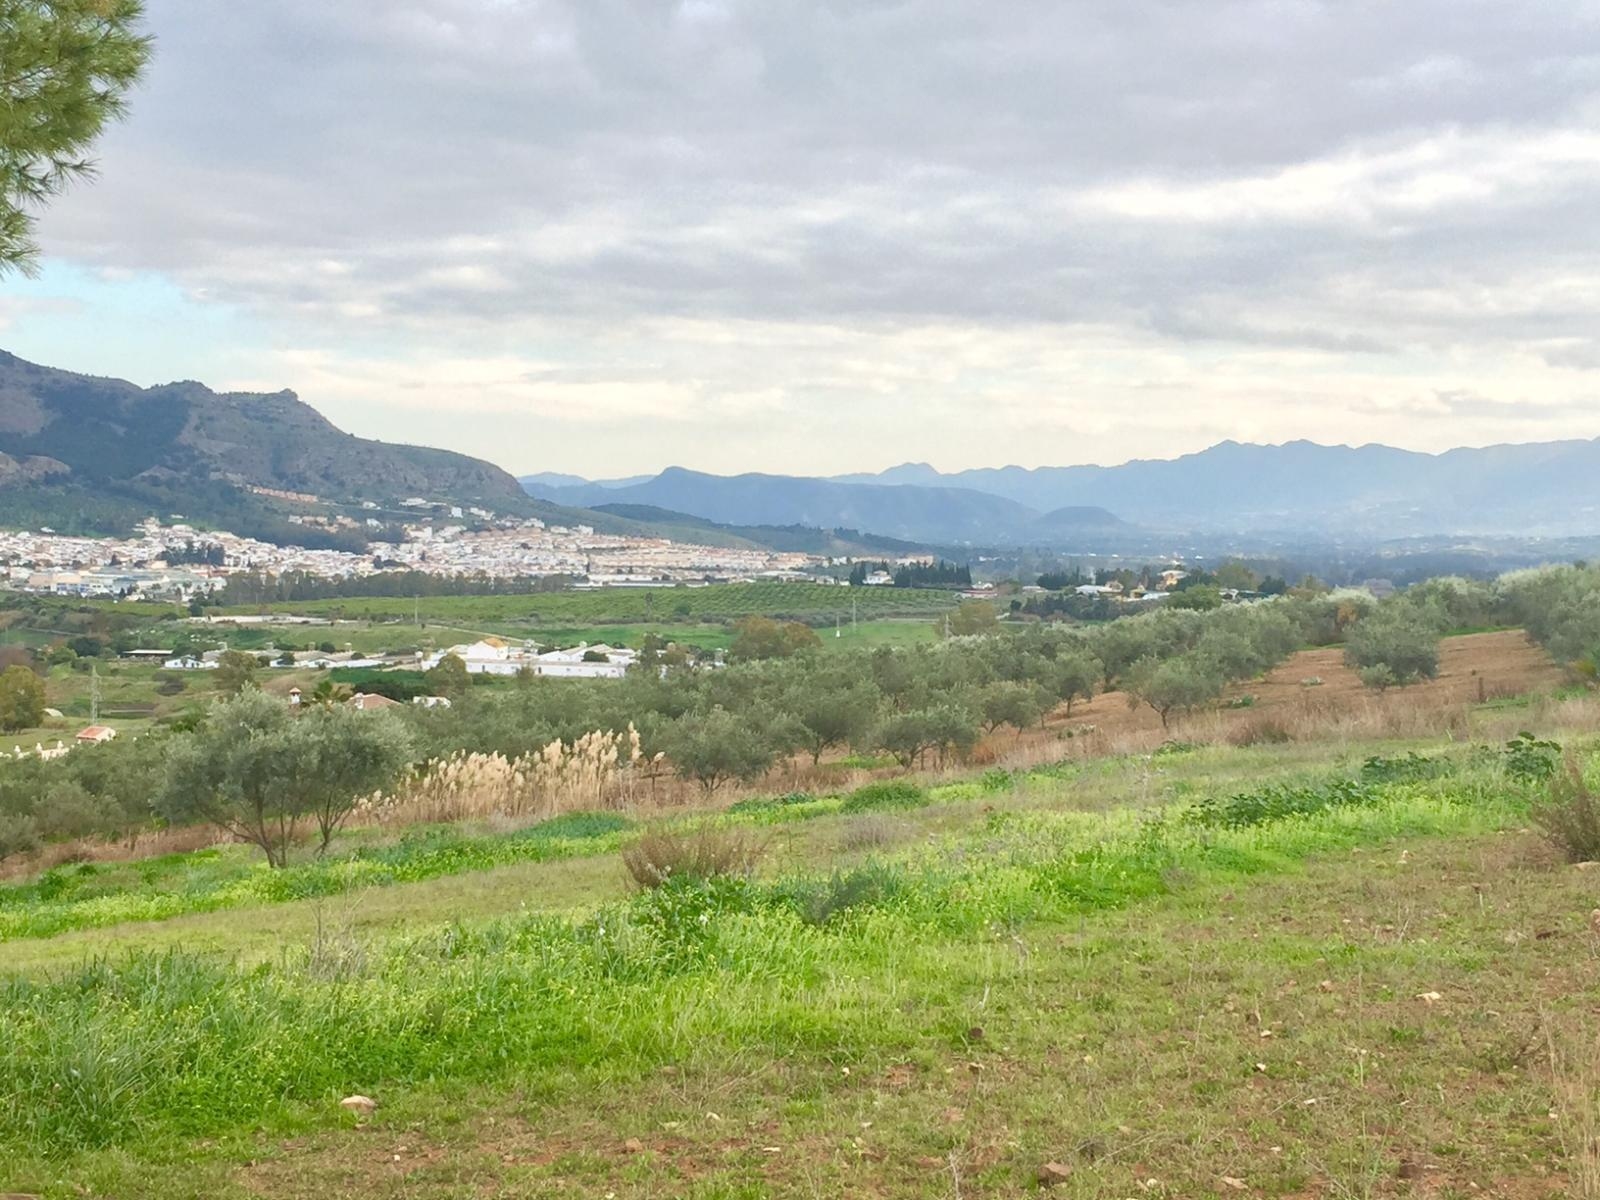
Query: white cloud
[(779, 234)]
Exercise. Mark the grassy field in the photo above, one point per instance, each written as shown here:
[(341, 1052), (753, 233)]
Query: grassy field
[(1272, 971), (675, 605)]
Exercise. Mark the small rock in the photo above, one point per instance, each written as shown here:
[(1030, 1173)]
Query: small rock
[(1326, 985), (1429, 997), (362, 1106), (1586, 866), (1053, 1173), (1237, 1185), (633, 1146)]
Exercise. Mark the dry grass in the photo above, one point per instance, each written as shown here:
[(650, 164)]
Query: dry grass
[(598, 770), (872, 831), (1575, 1085), (1569, 815), (660, 857), (148, 843)]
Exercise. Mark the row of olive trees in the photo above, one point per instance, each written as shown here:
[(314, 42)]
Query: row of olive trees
[(268, 776), (1560, 609)]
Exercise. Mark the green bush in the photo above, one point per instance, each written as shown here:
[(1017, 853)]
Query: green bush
[(1531, 760), (892, 794), (818, 902), (761, 804), (1406, 768), (1282, 801)]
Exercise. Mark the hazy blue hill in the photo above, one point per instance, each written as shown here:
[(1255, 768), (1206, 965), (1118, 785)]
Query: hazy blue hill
[(942, 514), (1538, 488), (1080, 518), (801, 539)]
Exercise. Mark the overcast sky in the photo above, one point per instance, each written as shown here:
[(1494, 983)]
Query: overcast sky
[(604, 237)]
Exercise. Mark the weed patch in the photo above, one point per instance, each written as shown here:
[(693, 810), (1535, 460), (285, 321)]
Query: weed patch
[(876, 797)]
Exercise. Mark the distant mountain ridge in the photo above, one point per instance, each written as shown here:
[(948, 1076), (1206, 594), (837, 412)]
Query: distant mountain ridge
[(1372, 491), (943, 514), (1548, 488)]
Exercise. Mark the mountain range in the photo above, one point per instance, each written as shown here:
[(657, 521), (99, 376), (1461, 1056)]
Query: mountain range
[(937, 513), (87, 454), (82, 453), (1298, 488)]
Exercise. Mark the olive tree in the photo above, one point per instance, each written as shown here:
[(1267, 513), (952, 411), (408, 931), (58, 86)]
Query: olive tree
[(1016, 704), (716, 747), (1173, 685), (263, 772), (21, 699), (1397, 637), (830, 711), (1073, 675)]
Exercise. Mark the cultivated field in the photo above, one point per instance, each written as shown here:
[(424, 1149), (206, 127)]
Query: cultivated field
[(1315, 695), (670, 604)]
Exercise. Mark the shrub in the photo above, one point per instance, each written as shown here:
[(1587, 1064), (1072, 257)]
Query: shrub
[(1569, 815), (581, 825), (875, 797), (996, 779), (1531, 760), (1380, 678), (666, 856), (1410, 767), (1172, 748), (1283, 801), (1262, 731), (869, 886), (759, 804)]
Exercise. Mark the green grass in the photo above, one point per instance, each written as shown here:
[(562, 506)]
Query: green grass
[(1177, 968), (181, 1045), (88, 895), (673, 605)]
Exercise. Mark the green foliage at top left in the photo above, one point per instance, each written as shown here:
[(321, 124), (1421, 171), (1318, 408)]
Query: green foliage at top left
[(65, 68)]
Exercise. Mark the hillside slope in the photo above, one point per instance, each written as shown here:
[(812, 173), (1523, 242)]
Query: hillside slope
[(99, 435)]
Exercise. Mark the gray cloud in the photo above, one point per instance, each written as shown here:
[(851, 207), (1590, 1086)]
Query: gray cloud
[(580, 185)]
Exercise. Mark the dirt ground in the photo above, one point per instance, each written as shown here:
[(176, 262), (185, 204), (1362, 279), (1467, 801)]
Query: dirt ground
[(1473, 669)]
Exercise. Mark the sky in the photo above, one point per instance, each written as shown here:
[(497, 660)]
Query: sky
[(605, 237)]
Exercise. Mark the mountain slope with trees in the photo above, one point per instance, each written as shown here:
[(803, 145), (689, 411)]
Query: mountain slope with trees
[(93, 452)]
